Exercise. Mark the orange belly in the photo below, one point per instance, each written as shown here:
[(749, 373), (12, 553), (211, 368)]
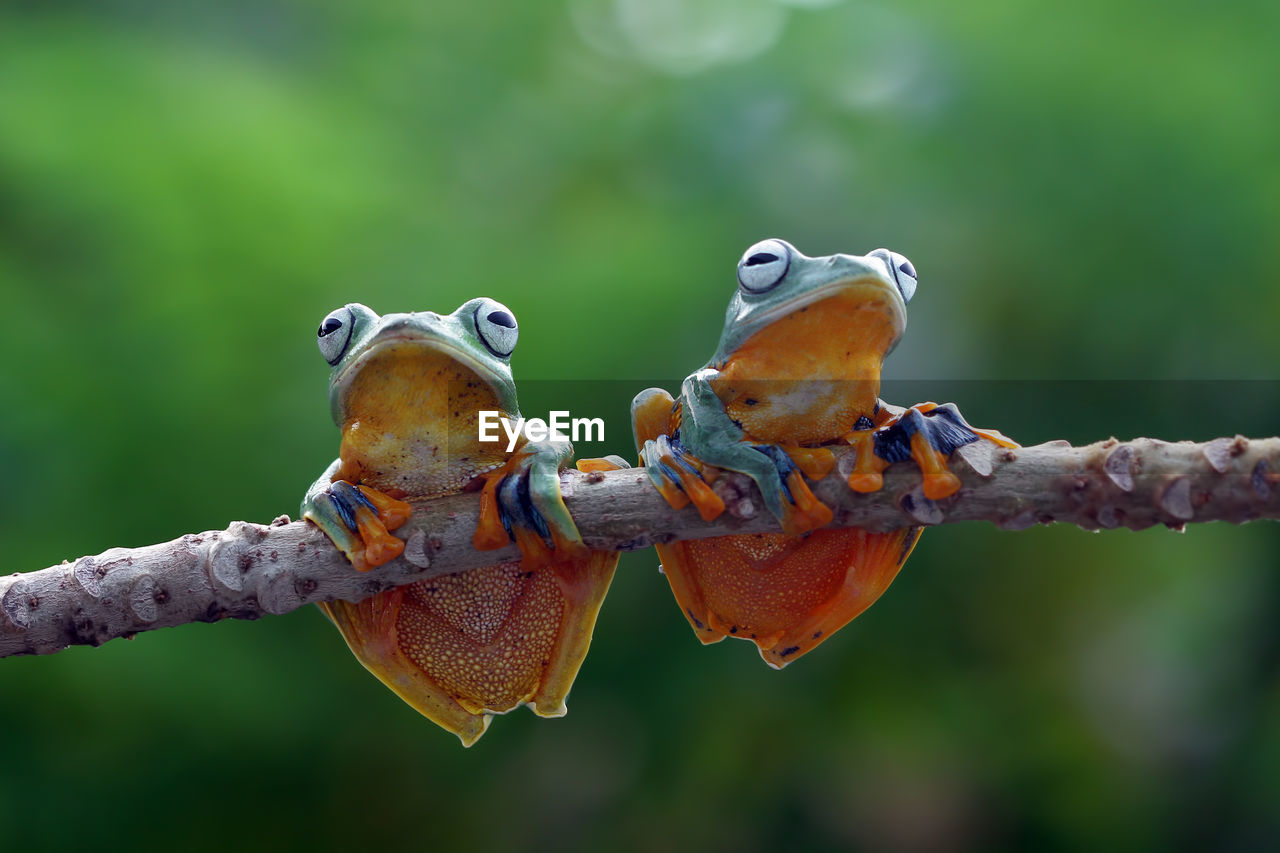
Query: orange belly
[(786, 594)]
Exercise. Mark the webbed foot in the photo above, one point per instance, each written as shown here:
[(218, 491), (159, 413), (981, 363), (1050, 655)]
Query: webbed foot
[(868, 468), (682, 478), (521, 501), (675, 473), (928, 434), (358, 519)]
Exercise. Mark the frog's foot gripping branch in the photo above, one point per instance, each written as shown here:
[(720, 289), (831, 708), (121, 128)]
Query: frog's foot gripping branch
[(358, 519), (521, 502), (926, 433), (682, 478), (677, 474)]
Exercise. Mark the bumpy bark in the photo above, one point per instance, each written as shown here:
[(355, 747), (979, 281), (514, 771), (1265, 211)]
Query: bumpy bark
[(249, 570)]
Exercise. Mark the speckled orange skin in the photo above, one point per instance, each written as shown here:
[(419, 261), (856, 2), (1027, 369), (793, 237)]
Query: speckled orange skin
[(785, 593), (794, 382), (461, 647), (797, 384)]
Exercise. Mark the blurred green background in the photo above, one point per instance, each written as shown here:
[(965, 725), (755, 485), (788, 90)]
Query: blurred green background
[(1091, 194)]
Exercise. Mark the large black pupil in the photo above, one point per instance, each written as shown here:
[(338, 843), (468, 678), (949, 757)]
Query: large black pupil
[(502, 318), (760, 258), (906, 267), (329, 326)]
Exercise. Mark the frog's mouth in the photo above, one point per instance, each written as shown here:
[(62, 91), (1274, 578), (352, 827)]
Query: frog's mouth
[(856, 292)]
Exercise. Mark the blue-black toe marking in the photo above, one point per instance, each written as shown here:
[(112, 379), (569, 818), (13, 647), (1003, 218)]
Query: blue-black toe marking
[(679, 454), (342, 503), (516, 508), (361, 497), (535, 519)]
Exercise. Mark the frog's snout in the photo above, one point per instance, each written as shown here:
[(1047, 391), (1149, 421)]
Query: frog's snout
[(408, 326), (401, 322)]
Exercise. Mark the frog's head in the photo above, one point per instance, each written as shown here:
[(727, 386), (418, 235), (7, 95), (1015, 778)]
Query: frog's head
[(423, 348), (806, 317)]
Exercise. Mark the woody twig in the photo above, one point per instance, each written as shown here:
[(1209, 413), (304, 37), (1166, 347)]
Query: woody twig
[(250, 570)]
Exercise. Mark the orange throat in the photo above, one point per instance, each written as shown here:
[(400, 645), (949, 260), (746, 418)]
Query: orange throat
[(806, 378), (412, 423)]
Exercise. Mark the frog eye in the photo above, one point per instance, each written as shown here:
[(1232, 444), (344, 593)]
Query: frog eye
[(497, 327), (763, 266), (334, 334), (903, 271)]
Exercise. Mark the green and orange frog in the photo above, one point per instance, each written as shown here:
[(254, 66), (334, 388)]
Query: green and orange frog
[(406, 389), (796, 373)]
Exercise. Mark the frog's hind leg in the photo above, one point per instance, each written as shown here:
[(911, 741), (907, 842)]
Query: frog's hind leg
[(928, 434), (871, 561), (370, 629)]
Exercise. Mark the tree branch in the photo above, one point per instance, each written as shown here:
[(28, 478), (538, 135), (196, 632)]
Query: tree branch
[(249, 570)]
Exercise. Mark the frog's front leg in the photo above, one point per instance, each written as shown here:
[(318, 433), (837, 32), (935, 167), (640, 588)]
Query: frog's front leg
[(521, 501), (677, 475), (357, 518), (677, 460), (926, 433)]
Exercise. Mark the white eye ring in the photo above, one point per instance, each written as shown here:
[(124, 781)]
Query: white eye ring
[(763, 266), (902, 270), (334, 334), (496, 326)]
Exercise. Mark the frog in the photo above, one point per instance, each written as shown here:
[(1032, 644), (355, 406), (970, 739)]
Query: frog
[(406, 390), (796, 374)]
